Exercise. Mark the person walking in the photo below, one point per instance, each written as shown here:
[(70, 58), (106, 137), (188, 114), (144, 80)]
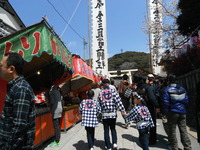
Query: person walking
[(110, 101), (112, 85), (124, 84), (151, 103), (96, 89), (90, 109), (55, 99), (17, 123), (141, 115), (163, 84), (175, 100)]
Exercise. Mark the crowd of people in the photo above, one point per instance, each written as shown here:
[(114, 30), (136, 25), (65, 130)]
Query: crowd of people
[(151, 98)]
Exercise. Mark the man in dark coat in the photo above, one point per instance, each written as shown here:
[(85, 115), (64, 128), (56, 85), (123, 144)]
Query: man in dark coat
[(152, 105), (56, 109)]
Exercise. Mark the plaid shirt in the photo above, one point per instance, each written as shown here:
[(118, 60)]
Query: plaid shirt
[(89, 109), (141, 115), (17, 124), (109, 101)]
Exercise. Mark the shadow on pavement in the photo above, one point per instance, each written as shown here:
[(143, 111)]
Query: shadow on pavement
[(81, 145), (100, 144), (131, 138), (120, 124), (161, 142)]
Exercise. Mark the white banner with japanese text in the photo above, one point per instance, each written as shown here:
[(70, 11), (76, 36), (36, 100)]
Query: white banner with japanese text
[(99, 37)]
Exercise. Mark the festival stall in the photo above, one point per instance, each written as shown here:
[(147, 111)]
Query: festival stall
[(46, 60), (80, 82)]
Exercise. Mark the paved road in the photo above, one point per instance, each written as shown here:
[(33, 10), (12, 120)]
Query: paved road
[(75, 138)]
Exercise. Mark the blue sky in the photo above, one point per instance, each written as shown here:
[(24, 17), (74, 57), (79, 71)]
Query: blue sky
[(124, 22)]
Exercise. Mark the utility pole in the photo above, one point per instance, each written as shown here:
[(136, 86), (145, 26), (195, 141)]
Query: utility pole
[(84, 47)]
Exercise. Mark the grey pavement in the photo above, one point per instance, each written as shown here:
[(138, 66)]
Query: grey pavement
[(75, 138)]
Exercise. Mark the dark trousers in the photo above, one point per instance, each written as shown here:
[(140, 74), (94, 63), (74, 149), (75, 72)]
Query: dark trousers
[(126, 103), (56, 124), (90, 136), (109, 124), (152, 133), (143, 138), (180, 120)]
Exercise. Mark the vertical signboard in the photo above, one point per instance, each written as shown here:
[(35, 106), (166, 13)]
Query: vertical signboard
[(155, 16), (99, 37)]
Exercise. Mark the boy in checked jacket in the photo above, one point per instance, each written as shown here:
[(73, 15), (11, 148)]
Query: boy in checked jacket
[(90, 109), (141, 115)]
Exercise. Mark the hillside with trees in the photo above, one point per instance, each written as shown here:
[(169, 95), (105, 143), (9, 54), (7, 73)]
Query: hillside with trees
[(129, 60)]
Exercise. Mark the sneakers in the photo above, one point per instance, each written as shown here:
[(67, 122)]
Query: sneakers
[(92, 148), (53, 144), (58, 144), (114, 146)]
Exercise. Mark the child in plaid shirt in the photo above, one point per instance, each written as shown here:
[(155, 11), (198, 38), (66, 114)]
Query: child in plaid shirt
[(141, 115), (89, 109)]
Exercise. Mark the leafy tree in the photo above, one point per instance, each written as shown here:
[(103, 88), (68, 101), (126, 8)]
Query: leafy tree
[(189, 19), (127, 65), (129, 60)]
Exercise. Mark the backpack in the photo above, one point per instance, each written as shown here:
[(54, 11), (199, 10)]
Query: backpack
[(127, 93)]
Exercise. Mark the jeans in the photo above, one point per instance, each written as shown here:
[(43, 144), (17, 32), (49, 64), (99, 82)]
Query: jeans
[(143, 138), (109, 124), (90, 136), (56, 124), (179, 120)]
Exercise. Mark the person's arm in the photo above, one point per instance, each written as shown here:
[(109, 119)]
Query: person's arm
[(120, 87), (98, 107), (131, 115), (186, 99), (81, 107), (119, 104), (165, 101), (152, 97)]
